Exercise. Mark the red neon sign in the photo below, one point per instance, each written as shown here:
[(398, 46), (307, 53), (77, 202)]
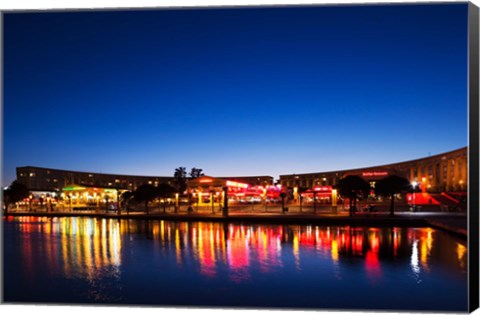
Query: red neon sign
[(236, 184), (323, 188), (369, 174)]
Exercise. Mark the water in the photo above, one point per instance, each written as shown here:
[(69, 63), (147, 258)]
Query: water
[(108, 261)]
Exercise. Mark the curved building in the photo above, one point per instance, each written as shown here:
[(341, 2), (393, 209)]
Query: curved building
[(446, 172), (49, 179)]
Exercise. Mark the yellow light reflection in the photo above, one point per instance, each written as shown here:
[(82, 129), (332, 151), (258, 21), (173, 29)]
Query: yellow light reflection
[(296, 250), (461, 252), (334, 250)]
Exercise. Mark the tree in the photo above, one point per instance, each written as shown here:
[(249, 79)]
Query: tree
[(180, 180), (145, 193), (391, 185), (196, 173), (164, 191), (126, 197), (14, 193), (352, 187)]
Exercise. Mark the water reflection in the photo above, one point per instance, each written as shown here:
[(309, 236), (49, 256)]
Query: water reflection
[(86, 245), (89, 244), (106, 252), (72, 247), (239, 246)]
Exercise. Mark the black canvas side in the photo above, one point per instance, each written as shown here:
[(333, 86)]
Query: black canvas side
[(473, 215)]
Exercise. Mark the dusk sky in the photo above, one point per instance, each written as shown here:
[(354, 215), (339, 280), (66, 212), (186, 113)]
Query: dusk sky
[(236, 92)]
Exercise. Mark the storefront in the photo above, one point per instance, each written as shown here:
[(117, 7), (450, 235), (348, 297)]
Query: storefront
[(211, 191), (76, 197)]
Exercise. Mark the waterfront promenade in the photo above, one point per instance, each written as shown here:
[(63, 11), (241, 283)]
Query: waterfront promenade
[(455, 223)]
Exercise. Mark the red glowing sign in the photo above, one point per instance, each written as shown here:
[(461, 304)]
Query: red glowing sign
[(236, 184), (370, 174), (323, 188), (206, 180)]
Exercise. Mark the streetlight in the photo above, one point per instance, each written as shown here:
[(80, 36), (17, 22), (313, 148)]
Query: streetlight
[(414, 185), (176, 202), (334, 201)]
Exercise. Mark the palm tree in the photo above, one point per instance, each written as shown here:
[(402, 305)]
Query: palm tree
[(196, 173), (180, 180), (353, 186), (145, 193), (14, 193), (391, 185)]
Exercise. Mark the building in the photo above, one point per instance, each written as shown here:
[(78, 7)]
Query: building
[(446, 172), (49, 179)]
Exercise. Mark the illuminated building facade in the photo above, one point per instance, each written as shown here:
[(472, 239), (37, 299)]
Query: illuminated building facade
[(39, 178), (48, 179), (445, 172), (211, 190)]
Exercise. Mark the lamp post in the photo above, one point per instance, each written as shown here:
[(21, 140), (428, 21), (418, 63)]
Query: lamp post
[(414, 185), (30, 199), (225, 201), (176, 202), (211, 201), (334, 201)]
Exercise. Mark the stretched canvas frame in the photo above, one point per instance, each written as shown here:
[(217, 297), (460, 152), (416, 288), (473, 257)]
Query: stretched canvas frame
[(473, 155)]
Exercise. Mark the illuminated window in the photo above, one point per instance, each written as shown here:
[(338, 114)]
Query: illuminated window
[(90, 175), (32, 174), (117, 181), (55, 180)]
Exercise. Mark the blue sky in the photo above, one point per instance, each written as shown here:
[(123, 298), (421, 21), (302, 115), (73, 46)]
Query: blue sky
[(235, 92)]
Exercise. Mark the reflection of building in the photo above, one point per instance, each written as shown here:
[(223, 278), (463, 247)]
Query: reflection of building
[(438, 173)]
